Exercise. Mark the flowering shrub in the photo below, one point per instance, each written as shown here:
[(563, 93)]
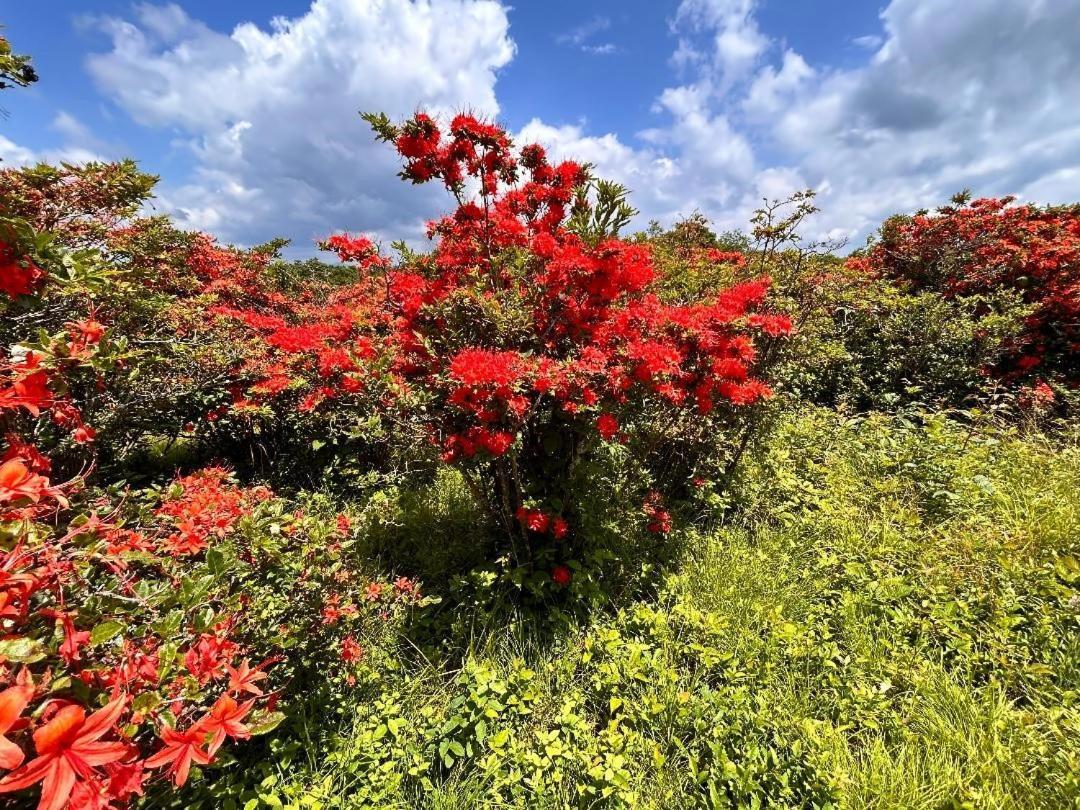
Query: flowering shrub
[(526, 338), (130, 649), (971, 248)]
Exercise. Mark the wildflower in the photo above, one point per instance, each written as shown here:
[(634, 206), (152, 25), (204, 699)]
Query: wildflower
[(182, 750), (226, 719), (559, 527), (608, 426), (243, 678), (12, 702), (351, 651)]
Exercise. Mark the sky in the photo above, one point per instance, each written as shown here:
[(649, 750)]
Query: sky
[(247, 109)]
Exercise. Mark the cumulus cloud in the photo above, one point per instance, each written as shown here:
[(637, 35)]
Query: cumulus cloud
[(978, 95), (271, 114)]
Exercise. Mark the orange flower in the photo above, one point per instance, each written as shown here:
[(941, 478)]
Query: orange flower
[(12, 702), (225, 718), (69, 749), (18, 483), (181, 749), (243, 678)]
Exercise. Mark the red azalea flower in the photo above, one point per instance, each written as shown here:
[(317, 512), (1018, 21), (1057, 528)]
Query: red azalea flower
[(182, 749), (69, 750), (559, 527), (226, 719), (351, 651), (608, 426), (13, 701)]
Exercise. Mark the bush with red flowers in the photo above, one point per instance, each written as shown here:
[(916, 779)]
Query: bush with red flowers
[(973, 247), (529, 336)]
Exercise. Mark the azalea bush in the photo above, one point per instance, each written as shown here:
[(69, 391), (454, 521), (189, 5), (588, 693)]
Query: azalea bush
[(141, 630), (530, 334), (972, 248)]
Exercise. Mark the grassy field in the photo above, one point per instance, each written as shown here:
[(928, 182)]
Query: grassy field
[(888, 619)]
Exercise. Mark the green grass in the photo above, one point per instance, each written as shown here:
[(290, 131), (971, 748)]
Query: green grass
[(889, 619)]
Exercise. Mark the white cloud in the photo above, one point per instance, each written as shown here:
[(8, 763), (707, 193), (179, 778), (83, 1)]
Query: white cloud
[(13, 154), (980, 95), (271, 115), (772, 89), (735, 43), (580, 36), (78, 145)]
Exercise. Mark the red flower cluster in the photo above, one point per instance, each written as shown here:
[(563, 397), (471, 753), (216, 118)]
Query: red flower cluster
[(205, 508), (358, 249), (90, 758), (540, 522), (514, 324), (658, 516), (18, 275), (989, 244)]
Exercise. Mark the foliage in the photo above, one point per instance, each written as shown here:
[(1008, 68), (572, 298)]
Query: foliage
[(974, 247), (889, 619), (15, 69), (524, 340)]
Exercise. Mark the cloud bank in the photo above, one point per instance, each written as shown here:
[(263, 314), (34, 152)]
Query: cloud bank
[(981, 94)]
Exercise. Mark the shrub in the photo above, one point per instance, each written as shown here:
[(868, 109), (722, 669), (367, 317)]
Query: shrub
[(525, 339), (971, 248)]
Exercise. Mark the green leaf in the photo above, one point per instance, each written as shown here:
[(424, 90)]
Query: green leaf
[(266, 723), (215, 561), (21, 650), (105, 631)]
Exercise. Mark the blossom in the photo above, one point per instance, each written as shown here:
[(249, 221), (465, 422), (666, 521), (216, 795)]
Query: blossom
[(206, 659), (243, 678), (226, 719), (69, 749), (561, 575), (607, 425), (659, 517), (125, 779), (12, 702), (18, 484), (358, 249), (407, 587), (181, 750), (559, 527), (351, 651), (481, 367), (30, 390), (18, 276), (533, 519)]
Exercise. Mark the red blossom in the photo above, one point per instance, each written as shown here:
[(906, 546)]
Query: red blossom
[(69, 749), (181, 750)]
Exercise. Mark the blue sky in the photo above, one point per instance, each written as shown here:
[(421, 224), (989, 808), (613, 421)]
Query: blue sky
[(698, 105)]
